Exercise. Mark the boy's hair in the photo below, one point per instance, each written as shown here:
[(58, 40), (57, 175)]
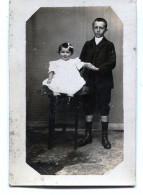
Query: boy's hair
[(66, 45), (100, 20)]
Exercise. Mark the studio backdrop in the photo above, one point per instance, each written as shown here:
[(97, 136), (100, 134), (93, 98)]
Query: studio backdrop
[(45, 31)]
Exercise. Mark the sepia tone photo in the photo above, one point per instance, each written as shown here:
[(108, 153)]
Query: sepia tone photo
[(62, 135), (75, 108)]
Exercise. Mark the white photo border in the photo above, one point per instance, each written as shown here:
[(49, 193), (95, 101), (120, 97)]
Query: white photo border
[(21, 174)]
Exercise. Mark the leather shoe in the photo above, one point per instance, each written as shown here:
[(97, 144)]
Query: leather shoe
[(105, 142), (85, 141)]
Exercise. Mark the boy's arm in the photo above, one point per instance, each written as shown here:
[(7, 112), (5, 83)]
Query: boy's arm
[(50, 76), (90, 67), (111, 61), (83, 53)]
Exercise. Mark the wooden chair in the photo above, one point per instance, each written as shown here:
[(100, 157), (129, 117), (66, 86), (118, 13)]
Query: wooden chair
[(63, 100)]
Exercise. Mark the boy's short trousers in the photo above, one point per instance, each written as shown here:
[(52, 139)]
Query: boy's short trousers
[(98, 98)]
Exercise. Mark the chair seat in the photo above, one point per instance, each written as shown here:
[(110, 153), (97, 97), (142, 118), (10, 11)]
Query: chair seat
[(46, 91)]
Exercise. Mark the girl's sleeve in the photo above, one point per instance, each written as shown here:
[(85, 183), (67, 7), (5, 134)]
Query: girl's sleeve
[(52, 66), (79, 63)]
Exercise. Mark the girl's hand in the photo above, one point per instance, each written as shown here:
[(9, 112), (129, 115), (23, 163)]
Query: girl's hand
[(49, 81)]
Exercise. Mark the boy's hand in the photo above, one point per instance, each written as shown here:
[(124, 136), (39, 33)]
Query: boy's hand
[(91, 67), (88, 65)]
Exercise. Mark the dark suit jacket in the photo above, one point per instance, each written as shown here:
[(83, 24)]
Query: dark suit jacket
[(102, 56)]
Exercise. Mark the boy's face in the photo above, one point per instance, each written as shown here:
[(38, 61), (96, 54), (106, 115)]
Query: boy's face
[(99, 29), (65, 54)]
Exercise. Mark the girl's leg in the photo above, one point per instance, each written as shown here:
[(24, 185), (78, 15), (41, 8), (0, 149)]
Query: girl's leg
[(69, 98), (56, 93), (56, 96)]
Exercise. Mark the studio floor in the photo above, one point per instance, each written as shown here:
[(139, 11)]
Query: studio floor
[(62, 159)]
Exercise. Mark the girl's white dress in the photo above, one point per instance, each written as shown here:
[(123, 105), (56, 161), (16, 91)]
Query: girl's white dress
[(67, 78)]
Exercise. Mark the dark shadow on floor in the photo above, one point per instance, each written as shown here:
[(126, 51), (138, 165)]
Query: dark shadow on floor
[(62, 159)]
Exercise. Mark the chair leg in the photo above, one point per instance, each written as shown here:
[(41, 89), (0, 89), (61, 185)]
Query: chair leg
[(51, 132), (51, 122), (76, 126), (52, 107)]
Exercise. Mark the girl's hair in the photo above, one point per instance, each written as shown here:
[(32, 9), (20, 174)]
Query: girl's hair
[(66, 45)]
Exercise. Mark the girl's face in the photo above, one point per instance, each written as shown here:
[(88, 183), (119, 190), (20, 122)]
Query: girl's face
[(65, 54)]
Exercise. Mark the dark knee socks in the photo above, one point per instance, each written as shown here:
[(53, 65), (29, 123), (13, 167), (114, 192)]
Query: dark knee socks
[(88, 128), (104, 127)]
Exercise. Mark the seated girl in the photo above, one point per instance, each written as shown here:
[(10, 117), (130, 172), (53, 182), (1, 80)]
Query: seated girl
[(64, 76)]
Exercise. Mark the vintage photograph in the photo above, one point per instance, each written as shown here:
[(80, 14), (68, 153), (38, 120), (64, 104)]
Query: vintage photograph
[(72, 93)]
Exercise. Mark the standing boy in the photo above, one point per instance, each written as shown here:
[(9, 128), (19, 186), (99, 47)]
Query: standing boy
[(101, 53)]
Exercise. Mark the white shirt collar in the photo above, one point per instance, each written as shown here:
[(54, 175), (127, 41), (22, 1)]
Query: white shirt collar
[(97, 40)]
